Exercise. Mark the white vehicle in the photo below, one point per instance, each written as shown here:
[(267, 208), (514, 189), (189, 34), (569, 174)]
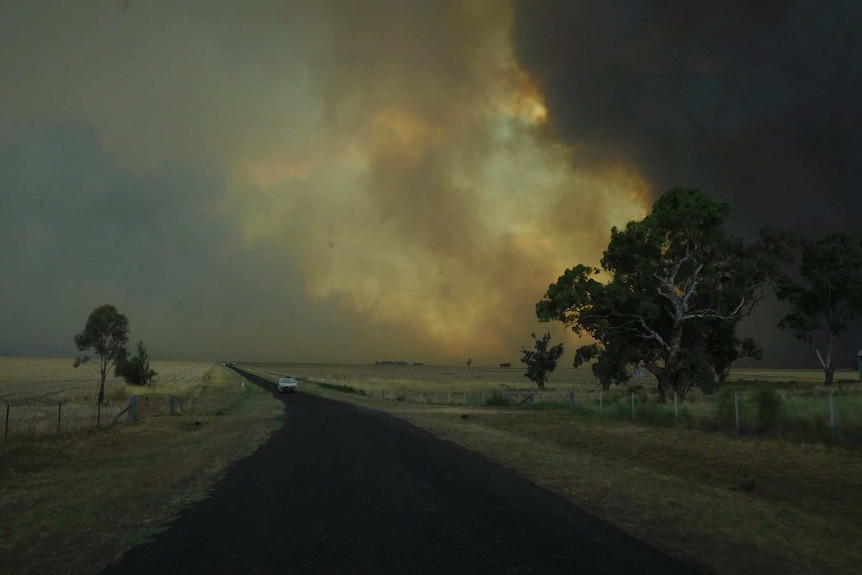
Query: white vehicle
[(286, 384)]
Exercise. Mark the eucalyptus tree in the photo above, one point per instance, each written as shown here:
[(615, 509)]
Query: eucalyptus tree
[(668, 296), (823, 285), (106, 333)]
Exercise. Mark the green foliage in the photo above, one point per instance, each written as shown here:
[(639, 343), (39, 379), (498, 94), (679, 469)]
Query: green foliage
[(106, 333), (497, 400), (767, 404), (822, 282), (724, 409), (135, 370), (543, 361), (678, 286)]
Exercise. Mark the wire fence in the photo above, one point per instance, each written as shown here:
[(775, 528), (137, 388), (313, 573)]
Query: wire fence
[(817, 415), (43, 418)]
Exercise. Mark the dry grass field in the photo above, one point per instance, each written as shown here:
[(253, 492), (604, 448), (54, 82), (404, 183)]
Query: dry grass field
[(427, 378), (734, 505), (25, 379), (745, 504), (34, 388), (805, 415), (70, 503)]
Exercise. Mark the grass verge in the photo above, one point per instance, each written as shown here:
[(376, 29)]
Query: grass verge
[(70, 504)]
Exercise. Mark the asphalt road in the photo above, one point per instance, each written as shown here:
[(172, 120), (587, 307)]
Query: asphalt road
[(342, 489)]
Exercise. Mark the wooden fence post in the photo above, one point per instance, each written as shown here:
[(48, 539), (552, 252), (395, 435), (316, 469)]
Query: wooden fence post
[(6, 426), (572, 401), (59, 412)]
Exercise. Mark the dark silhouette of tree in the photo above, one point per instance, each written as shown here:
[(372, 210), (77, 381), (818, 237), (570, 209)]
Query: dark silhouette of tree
[(106, 333), (541, 362), (678, 284), (135, 370), (822, 282)]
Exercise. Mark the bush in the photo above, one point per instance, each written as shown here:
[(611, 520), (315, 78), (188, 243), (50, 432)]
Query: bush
[(723, 409), (498, 400), (767, 403)]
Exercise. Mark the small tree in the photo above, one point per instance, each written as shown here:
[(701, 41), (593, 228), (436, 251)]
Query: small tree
[(136, 369), (824, 289), (106, 332), (541, 362)]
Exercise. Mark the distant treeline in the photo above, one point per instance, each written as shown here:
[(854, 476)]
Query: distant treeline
[(396, 363)]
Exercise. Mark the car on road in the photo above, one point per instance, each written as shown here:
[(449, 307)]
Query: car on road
[(287, 384)]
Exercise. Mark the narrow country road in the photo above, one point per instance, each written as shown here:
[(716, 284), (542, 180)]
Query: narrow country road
[(341, 489)]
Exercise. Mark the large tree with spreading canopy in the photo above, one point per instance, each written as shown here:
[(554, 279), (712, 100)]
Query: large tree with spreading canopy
[(667, 298)]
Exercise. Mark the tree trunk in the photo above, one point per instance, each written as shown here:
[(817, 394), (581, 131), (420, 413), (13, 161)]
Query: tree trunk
[(830, 368), (660, 374), (722, 374), (669, 382), (663, 387)]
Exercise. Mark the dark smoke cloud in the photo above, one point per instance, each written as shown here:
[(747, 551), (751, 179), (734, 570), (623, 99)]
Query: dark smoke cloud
[(755, 102)]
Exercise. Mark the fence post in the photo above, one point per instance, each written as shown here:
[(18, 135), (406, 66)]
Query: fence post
[(132, 414), (572, 401), (99, 415), (602, 402), (675, 408), (172, 405), (634, 413), (736, 409), (59, 412), (832, 416), (6, 426)]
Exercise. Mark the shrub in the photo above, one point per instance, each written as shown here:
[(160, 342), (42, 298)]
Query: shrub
[(498, 400), (723, 409), (767, 403)]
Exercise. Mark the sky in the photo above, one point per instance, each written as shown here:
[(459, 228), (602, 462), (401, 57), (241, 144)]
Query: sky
[(355, 180)]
